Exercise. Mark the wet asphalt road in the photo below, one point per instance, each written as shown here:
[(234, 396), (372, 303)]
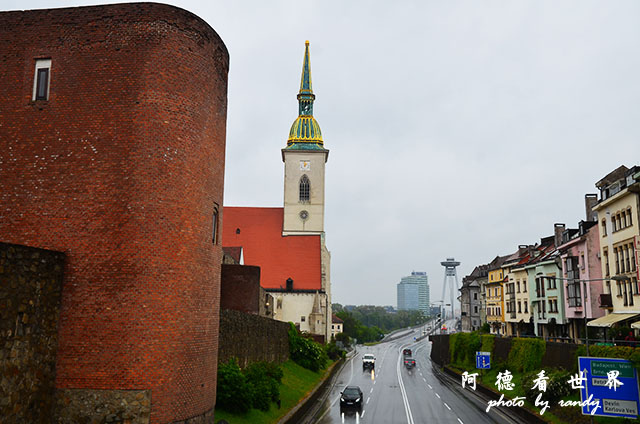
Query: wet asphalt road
[(394, 394)]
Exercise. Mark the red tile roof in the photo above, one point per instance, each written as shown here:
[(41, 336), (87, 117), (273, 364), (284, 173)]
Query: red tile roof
[(259, 232)]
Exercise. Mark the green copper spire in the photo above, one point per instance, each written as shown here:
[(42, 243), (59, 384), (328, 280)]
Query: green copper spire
[(305, 132), (306, 96)]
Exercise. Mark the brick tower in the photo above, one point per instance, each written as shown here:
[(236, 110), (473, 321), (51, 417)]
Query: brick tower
[(112, 125)]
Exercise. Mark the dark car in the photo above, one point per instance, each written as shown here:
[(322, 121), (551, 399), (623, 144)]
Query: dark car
[(406, 352), (409, 363), (351, 397)]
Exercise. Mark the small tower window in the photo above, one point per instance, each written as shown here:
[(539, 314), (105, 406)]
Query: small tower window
[(304, 189), (41, 79), (215, 225)]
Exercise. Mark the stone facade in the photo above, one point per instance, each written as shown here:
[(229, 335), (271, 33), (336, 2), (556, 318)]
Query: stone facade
[(252, 338), (30, 291), (103, 406), (121, 167)]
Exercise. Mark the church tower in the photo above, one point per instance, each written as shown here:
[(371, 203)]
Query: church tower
[(304, 163)]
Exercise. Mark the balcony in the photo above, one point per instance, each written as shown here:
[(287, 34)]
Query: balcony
[(605, 300)]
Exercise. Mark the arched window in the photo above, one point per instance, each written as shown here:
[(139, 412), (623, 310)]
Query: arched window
[(304, 189)]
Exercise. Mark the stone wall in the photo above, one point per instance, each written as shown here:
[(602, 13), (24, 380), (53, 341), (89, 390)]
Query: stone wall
[(440, 349), (30, 291), (556, 354), (103, 406), (252, 338)]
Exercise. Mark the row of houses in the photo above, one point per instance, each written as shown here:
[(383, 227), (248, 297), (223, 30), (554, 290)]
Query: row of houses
[(573, 279)]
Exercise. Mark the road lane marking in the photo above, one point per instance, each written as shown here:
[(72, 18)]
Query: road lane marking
[(445, 404), (368, 399), (362, 415), (438, 395), (371, 391), (338, 397), (460, 421), (403, 391), (430, 386), (425, 380)]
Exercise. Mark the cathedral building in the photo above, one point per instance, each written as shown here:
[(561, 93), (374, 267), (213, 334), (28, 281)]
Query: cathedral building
[(288, 243)]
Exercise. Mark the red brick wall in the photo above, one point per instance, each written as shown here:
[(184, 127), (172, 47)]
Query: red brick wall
[(240, 288), (121, 169)]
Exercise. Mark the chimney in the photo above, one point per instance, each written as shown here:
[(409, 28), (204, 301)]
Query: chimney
[(289, 284), (590, 201), (557, 234)]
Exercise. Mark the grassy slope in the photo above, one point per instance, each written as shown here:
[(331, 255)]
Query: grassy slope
[(297, 382)]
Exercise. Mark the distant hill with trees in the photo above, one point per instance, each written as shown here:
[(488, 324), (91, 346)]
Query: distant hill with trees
[(368, 323)]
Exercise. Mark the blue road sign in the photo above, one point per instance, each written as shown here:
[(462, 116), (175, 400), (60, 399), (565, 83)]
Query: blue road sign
[(602, 399), (483, 360)]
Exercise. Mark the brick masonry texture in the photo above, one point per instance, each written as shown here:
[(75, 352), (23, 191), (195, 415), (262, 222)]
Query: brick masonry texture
[(240, 288), (30, 291), (252, 338), (121, 169)]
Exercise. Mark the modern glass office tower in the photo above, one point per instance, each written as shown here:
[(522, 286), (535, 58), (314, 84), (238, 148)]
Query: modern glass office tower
[(413, 293)]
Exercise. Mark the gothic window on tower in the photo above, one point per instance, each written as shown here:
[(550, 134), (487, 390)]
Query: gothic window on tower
[(304, 189)]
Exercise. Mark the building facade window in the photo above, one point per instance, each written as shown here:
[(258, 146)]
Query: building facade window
[(304, 189), (42, 79)]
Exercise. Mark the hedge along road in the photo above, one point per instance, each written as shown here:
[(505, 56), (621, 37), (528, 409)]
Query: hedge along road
[(394, 394)]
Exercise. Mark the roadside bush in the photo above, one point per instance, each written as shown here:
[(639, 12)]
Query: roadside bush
[(333, 351), (557, 386), (263, 379), (254, 387), (233, 392), (463, 347), (623, 352), (526, 354), (306, 352), (487, 342), (344, 338)]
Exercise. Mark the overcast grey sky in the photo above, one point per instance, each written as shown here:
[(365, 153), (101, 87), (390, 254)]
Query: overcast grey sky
[(456, 128)]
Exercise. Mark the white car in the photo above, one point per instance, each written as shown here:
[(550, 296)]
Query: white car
[(368, 361)]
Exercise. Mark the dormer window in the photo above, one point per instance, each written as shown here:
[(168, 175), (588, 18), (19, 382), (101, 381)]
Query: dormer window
[(41, 79)]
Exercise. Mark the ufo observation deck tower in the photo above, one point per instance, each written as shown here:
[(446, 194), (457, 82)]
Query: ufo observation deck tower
[(450, 279)]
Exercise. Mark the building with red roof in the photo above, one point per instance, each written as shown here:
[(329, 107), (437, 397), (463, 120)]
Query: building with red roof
[(287, 243)]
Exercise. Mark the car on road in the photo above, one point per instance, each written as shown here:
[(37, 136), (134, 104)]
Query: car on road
[(406, 352), (368, 361), (409, 363), (351, 397)]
